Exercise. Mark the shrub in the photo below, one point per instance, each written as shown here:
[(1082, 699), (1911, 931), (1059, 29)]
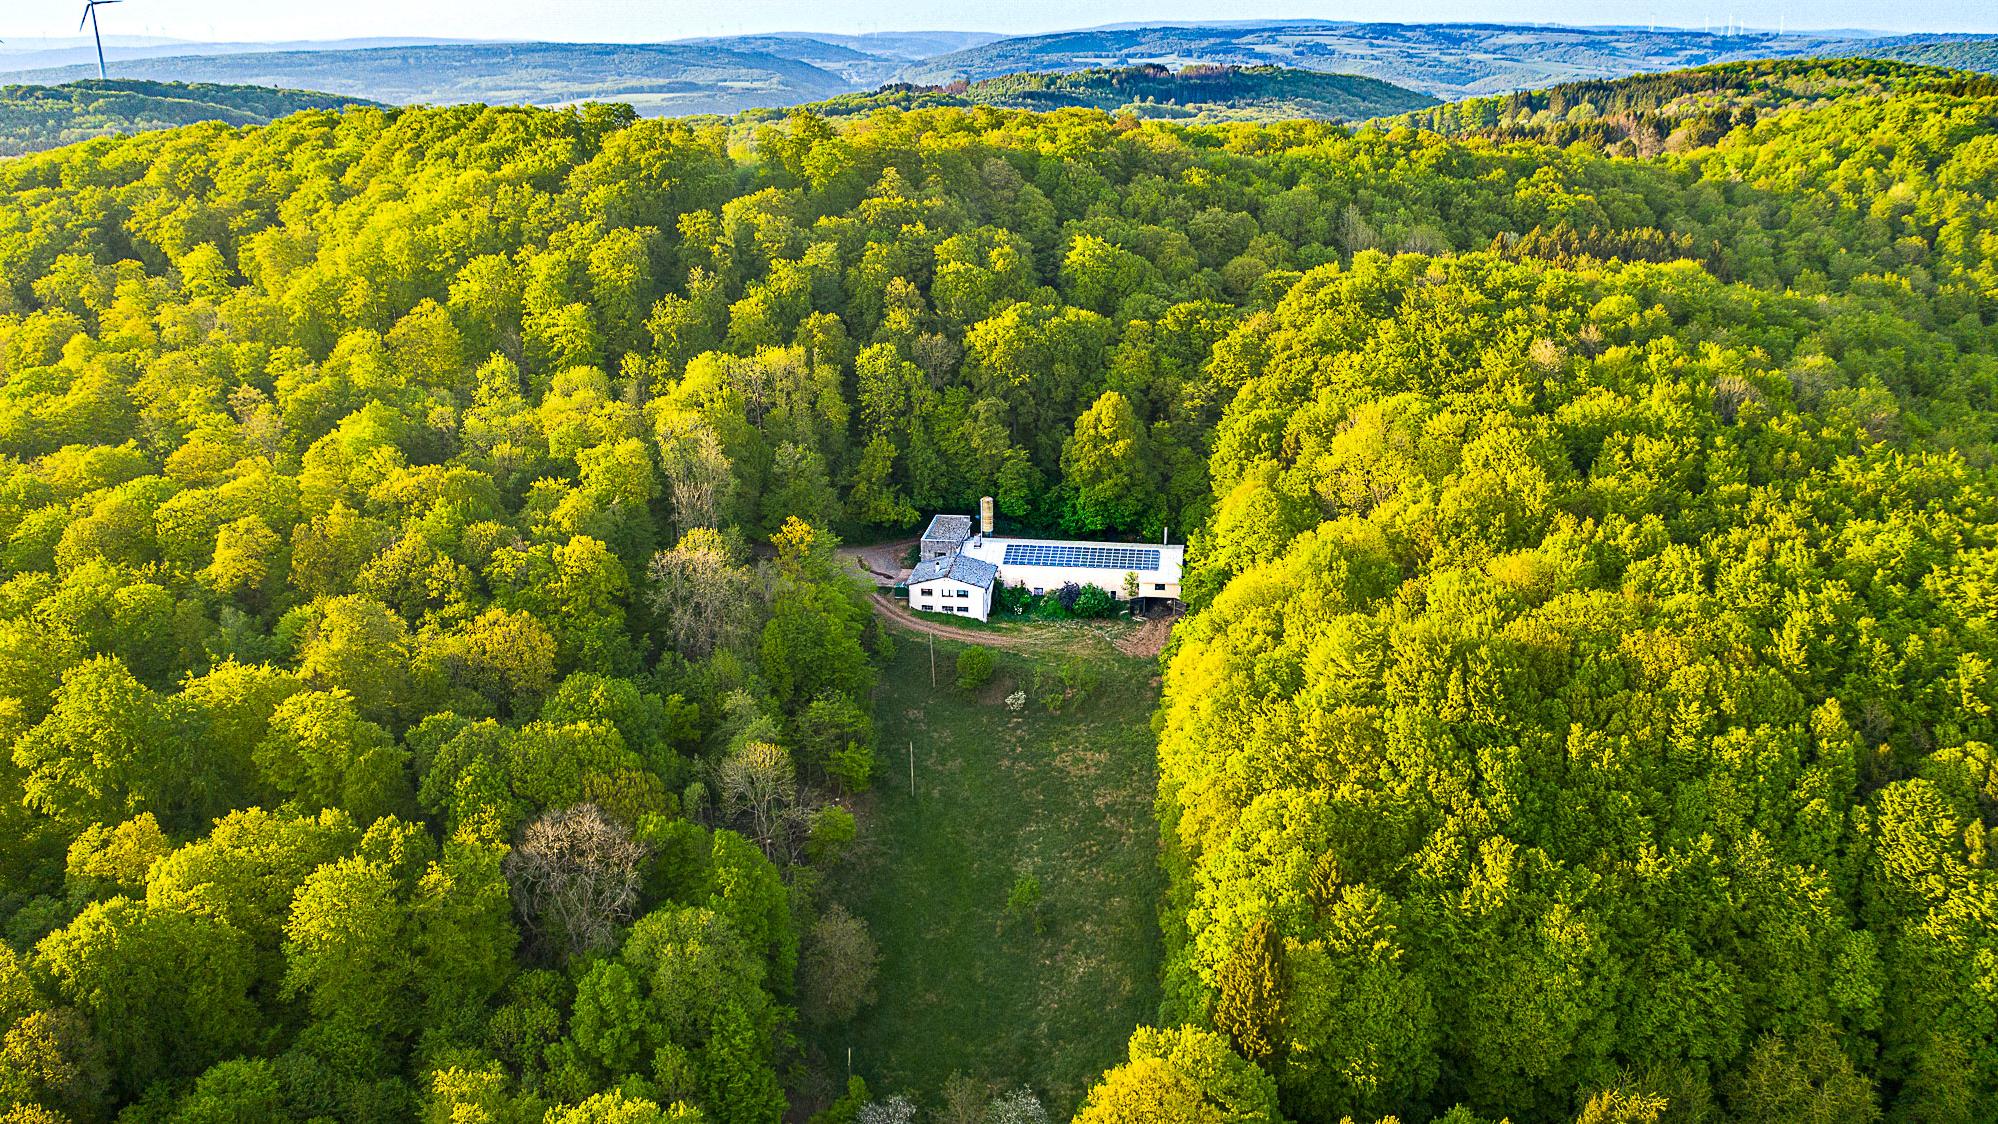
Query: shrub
[(847, 1108), (852, 766), (833, 830), (1093, 602), (832, 728), (974, 668), (1015, 599), (1024, 899)]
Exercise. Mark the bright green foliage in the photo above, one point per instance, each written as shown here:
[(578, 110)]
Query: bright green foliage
[(1109, 464), (239, 1091), (34, 118), (681, 1003), (1182, 1076), (811, 646), (1589, 694), (320, 753), (349, 949), (616, 1108), (107, 750), (1589, 648), (166, 991), (106, 861), (975, 665)]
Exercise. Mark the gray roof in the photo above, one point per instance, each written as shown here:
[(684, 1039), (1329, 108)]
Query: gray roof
[(948, 528), (970, 571)]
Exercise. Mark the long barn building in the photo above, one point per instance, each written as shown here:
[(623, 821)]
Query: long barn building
[(964, 565)]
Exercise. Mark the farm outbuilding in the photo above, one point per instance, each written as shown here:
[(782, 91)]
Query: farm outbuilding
[(1126, 571), (945, 535), (962, 568)]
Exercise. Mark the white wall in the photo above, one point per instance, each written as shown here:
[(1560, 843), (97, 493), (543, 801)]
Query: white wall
[(1047, 579), (950, 597)]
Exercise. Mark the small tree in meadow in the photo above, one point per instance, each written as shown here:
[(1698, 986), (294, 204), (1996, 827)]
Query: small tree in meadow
[(974, 668), (837, 973), (1024, 899)]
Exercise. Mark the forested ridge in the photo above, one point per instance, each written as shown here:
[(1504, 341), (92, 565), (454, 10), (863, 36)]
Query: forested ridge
[(432, 694), (1201, 94), (1647, 114), (34, 118)]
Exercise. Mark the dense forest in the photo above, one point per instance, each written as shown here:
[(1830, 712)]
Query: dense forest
[(1196, 94), (1964, 52), (34, 118), (1647, 114), (433, 694)]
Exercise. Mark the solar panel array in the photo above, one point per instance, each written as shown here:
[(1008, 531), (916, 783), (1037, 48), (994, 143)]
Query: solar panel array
[(1090, 557)]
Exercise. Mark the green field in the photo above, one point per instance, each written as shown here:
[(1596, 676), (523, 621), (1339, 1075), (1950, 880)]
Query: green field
[(1067, 797)]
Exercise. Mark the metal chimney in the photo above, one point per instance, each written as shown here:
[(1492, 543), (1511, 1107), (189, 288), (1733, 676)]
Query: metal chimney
[(985, 515)]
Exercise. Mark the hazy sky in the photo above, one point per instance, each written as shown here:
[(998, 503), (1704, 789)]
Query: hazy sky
[(644, 20)]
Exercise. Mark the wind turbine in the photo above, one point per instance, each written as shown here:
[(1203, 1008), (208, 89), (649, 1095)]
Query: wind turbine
[(90, 17)]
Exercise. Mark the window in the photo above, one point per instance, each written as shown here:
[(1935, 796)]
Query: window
[(1160, 588), (964, 593)]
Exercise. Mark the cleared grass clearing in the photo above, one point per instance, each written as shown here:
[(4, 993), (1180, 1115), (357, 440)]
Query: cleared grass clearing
[(1048, 999)]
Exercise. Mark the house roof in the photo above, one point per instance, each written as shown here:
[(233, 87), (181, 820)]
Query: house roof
[(971, 571), (948, 528)]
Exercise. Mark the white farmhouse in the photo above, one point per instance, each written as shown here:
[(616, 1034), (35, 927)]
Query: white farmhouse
[(962, 569), (954, 583)]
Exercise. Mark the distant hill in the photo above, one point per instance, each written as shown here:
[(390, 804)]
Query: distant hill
[(34, 118), (1651, 113), (857, 67), (657, 79), (730, 75), (18, 55), (865, 60), (910, 45), (1445, 60), (1197, 93)]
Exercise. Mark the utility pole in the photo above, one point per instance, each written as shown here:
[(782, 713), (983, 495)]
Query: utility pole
[(933, 659), (912, 768)]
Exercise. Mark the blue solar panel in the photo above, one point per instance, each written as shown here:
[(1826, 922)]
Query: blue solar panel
[(1089, 557)]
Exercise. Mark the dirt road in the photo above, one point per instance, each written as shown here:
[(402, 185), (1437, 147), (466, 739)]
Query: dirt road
[(880, 563), (1143, 640), (900, 614)]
